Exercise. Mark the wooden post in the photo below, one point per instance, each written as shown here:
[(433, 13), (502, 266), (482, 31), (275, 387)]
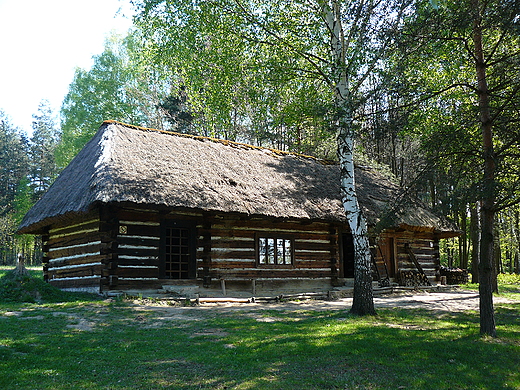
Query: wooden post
[(223, 286)]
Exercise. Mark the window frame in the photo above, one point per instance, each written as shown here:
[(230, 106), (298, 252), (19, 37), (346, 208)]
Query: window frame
[(275, 238)]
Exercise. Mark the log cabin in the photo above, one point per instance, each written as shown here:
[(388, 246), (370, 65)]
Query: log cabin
[(144, 210)]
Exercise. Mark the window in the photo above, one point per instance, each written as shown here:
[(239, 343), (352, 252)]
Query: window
[(273, 251)]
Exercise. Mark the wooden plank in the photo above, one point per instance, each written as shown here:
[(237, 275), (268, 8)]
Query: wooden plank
[(89, 247), (61, 272), (251, 224), (313, 263), (86, 258), (82, 282), (78, 225), (309, 246), (137, 261), (233, 243), (231, 233), (138, 272), (232, 264), (138, 240), (54, 242), (137, 252), (248, 254), (270, 273), (312, 256)]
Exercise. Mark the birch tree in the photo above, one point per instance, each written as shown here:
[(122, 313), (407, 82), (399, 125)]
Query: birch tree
[(338, 42), (363, 302)]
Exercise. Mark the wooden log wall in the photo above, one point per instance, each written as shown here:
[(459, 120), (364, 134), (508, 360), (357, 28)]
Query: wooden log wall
[(233, 250), (120, 250), (72, 255), (135, 262), (426, 251)]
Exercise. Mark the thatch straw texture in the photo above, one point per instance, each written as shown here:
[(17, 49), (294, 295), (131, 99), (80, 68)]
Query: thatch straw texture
[(127, 164)]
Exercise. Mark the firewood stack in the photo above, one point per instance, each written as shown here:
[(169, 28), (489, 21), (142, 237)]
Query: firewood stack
[(412, 278), (454, 275)]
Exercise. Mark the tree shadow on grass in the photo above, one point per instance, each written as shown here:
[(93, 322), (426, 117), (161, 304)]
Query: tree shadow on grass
[(304, 350)]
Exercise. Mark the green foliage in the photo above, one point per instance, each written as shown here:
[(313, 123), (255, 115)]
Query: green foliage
[(42, 165), (31, 288), (240, 82), (438, 67), (13, 163)]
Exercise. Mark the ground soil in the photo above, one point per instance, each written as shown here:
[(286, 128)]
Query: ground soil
[(452, 301), (154, 313)]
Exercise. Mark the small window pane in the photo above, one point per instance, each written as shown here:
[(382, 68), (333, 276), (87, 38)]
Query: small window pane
[(280, 251), (262, 258), (288, 251), (270, 250)]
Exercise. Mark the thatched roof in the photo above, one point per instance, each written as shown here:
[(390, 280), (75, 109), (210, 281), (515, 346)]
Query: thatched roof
[(128, 164)]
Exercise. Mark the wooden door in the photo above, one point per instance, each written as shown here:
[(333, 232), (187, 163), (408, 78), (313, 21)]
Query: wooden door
[(178, 260)]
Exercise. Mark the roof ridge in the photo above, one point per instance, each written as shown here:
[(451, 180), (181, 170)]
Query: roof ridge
[(224, 142)]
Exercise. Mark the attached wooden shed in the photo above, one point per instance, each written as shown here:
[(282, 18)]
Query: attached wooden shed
[(145, 210)]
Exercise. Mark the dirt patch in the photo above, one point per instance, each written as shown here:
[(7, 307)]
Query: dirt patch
[(453, 301), (152, 315)]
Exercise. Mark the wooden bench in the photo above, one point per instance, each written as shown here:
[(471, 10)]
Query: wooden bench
[(224, 278)]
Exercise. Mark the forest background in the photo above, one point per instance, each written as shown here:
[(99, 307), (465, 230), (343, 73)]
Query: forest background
[(415, 104)]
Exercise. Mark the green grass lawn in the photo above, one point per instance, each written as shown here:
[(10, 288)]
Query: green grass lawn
[(107, 344)]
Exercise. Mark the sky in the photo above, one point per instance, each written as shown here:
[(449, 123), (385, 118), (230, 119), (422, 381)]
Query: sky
[(41, 44)]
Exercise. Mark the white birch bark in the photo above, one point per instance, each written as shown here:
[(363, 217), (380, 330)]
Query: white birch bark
[(363, 302)]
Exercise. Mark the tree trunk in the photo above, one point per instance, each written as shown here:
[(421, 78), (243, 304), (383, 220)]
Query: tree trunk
[(487, 315), (463, 240), (363, 302), (475, 242), (20, 269), (497, 257), (517, 241)]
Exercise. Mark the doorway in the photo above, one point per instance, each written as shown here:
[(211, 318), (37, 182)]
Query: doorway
[(347, 255), (178, 251)]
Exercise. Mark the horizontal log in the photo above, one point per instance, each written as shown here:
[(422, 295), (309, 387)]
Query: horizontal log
[(310, 246), (138, 240), (136, 261), (54, 242), (269, 273), (75, 226), (312, 263), (86, 258), (231, 233), (137, 252), (248, 254), (232, 264), (312, 256), (226, 243), (90, 247), (75, 283), (133, 284), (266, 225), (137, 272), (75, 272)]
